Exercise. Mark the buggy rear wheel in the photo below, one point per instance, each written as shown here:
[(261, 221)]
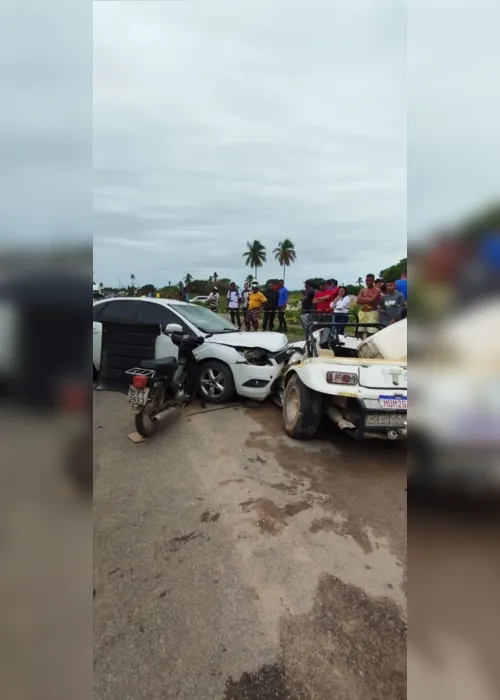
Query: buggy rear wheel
[(302, 410)]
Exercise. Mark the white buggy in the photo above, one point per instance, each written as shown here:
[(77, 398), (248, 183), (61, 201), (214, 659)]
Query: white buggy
[(360, 385)]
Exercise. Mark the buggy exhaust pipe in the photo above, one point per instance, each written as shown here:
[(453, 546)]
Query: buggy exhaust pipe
[(392, 434), (335, 415)]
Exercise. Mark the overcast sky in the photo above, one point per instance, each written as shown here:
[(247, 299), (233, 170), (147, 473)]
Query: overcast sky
[(218, 123)]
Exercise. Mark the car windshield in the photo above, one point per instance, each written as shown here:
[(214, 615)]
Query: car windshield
[(204, 319)]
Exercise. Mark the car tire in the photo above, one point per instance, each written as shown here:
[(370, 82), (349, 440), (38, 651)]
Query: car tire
[(216, 382), (302, 410)]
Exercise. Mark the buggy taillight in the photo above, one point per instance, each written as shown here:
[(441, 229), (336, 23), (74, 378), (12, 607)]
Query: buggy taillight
[(139, 381), (341, 378)]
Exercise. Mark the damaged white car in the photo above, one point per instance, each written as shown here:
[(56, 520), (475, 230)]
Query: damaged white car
[(360, 385), (231, 362)]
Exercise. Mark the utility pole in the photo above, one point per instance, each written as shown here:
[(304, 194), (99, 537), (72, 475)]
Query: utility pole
[(119, 283)]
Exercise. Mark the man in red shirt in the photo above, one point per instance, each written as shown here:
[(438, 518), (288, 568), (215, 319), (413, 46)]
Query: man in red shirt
[(322, 300), (333, 286)]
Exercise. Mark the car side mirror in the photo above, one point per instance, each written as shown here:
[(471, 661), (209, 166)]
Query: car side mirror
[(173, 328)]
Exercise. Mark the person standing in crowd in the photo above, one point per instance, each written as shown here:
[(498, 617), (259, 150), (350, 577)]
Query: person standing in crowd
[(282, 303), (233, 304), (307, 307), (368, 301), (270, 307), (255, 301), (333, 287), (244, 300), (322, 300), (402, 287), (213, 300), (186, 295), (391, 305), (340, 307), (381, 285)]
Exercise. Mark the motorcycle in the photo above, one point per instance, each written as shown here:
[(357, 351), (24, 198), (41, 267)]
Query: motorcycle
[(160, 387)]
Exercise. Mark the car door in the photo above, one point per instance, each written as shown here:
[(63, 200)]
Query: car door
[(152, 313), (117, 311)]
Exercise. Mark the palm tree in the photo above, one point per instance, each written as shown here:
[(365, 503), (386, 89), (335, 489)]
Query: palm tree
[(255, 255), (359, 281), (132, 280), (188, 279), (249, 278), (285, 254)]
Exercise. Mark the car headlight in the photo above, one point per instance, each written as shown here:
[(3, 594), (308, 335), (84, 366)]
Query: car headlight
[(255, 356)]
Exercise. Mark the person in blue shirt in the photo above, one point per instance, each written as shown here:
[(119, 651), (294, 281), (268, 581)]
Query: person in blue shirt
[(402, 287), (282, 301)]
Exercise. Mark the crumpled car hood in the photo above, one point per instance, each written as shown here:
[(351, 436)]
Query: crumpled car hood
[(272, 342)]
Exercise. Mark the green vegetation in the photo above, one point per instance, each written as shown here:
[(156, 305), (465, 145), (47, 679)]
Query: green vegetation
[(255, 256), (285, 254), (394, 272), (486, 219)]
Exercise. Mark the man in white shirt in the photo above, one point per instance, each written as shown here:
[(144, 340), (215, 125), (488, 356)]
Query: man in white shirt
[(233, 303)]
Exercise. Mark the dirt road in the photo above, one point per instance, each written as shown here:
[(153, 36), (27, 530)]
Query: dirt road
[(232, 563)]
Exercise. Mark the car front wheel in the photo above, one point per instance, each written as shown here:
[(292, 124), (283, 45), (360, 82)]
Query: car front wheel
[(216, 383)]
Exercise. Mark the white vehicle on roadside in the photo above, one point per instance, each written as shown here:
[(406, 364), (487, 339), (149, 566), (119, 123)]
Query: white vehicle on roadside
[(355, 383), (232, 362), (456, 402)]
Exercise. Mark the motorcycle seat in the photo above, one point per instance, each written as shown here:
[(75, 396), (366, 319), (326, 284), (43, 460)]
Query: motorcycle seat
[(163, 366)]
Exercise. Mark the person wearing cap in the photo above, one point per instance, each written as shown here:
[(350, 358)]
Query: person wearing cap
[(213, 300), (255, 302), (233, 304)]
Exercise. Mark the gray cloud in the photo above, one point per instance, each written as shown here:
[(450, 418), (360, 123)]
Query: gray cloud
[(45, 134), (214, 125), (453, 111), (222, 122)]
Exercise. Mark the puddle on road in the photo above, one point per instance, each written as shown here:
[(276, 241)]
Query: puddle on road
[(226, 482), (344, 528), (364, 482), (209, 517), (268, 683), (272, 518), (348, 646), (174, 544)]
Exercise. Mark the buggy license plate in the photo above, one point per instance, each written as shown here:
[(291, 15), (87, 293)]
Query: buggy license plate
[(382, 418), (393, 403), (138, 397)]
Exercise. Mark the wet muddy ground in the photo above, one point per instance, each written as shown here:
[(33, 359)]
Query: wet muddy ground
[(234, 563)]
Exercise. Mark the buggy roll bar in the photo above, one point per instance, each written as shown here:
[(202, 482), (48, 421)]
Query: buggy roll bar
[(311, 348)]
